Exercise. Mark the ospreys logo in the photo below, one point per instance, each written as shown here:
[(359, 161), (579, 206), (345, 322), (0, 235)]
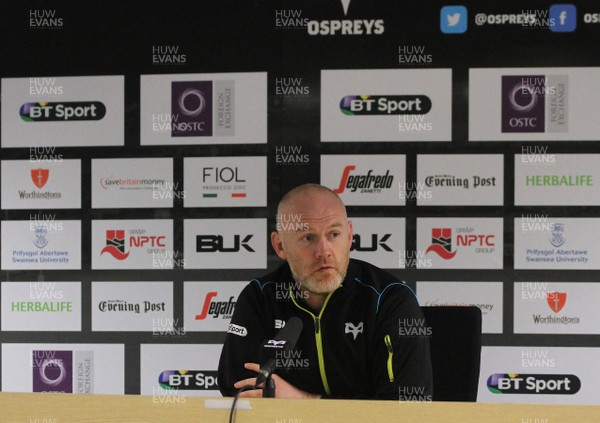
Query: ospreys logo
[(346, 26), (354, 329)]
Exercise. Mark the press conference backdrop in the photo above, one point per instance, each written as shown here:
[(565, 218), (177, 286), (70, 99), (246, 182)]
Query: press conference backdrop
[(144, 148)]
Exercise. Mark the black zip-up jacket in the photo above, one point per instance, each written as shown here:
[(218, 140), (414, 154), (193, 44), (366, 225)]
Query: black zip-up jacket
[(369, 340)]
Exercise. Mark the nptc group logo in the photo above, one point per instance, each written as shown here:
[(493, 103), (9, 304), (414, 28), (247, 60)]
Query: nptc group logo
[(40, 177), (115, 244), (192, 108), (556, 300), (441, 243)]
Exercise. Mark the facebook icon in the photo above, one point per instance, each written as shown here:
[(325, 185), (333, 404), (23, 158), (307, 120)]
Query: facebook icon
[(563, 18)]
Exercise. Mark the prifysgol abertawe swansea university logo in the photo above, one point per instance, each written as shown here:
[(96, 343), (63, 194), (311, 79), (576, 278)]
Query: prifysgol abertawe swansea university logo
[(441, 243), (115, 244), (556, 300)]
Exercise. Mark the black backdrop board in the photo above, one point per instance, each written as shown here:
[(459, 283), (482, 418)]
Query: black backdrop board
[(118, 38)]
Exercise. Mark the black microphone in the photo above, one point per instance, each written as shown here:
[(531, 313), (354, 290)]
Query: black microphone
[(285, 340)]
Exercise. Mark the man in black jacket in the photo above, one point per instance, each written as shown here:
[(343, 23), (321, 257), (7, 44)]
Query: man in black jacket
[(363, 336)]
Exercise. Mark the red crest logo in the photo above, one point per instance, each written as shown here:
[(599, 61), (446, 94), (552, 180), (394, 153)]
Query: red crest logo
[(556, 300), (40, 177)]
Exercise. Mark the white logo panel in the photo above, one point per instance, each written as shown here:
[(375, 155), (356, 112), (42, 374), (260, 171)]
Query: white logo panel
[(368, 180), (485, 295), (166, 363), (63, 112), (103, 367), (225, 243), (131, 306), (132, 244), (386, 105), (122, 183), (459, 180), (520, 104), (539, 375), (557, 179), (225, 181), (460, 243), (41, 243), (218, 108), (550, 307), (35, 185), (208, 306), (557, 243), (41, 306), (379, 241)]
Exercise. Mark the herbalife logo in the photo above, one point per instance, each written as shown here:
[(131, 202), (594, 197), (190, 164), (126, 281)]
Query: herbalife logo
[(346, 26)]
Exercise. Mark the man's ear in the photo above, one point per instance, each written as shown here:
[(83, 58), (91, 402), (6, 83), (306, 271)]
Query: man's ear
[(350, 231), (278, 245)]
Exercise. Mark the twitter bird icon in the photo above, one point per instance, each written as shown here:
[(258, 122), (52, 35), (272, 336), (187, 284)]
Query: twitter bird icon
[(453, 19)]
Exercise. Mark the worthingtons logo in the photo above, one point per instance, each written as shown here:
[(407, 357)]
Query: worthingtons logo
[(535, 384), (368, 183), (216, 309), (39, 177), (115, 242), (346, 26), (556, 301), (353, 105), (196, 380), (63, 111)]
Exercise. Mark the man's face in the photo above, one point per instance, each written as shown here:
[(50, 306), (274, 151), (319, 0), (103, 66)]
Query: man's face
[(315, 237)]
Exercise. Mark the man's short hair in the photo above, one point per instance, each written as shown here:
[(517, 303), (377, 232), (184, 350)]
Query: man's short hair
[(301, 189)]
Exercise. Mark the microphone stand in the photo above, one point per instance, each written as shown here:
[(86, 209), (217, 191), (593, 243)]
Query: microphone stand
[(269, 388)]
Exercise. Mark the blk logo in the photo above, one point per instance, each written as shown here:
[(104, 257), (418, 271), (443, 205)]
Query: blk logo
[(375, 243), (40, 177), (216, 243), (556, 300)]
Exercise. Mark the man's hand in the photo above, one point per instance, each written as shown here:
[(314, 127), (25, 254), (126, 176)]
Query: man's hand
[(282, 388)]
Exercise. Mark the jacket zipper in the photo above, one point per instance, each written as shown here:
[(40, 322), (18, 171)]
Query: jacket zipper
[(390, 369), (318, 338)]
